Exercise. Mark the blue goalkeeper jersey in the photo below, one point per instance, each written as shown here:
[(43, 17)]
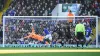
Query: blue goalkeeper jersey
[(46, 31), (88, 32)]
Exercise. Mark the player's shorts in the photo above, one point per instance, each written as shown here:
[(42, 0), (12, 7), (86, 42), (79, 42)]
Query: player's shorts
[(48, 37), (88, 38), (80, 35)]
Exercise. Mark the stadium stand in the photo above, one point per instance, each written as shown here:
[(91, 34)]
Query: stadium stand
[(31, 7), (90, 8), (45, 7), (2, 4)]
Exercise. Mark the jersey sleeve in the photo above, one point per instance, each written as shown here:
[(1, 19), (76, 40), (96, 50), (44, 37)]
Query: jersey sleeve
[(84, 29), (33, 30), (30, 35)]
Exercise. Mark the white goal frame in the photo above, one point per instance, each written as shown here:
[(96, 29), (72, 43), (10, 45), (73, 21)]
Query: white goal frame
[(4, 17)]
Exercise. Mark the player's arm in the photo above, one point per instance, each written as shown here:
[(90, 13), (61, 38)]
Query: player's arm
[(33, 30), (28, 36)]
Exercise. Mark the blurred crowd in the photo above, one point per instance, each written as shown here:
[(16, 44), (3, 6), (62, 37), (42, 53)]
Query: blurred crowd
[(45, 7), (90, 8), (31, 8), (2, 2)]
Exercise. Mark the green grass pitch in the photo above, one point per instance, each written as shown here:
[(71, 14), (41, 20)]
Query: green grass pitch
[(52, 53), (55, 54)]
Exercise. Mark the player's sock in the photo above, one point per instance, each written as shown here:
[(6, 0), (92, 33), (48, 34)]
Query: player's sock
[(77, 43), (62, 44), (88, 42), (82, 45)]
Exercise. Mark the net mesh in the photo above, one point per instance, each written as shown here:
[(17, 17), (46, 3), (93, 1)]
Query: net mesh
[(62, 29)]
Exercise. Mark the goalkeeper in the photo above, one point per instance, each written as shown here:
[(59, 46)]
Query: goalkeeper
[(37, 36)]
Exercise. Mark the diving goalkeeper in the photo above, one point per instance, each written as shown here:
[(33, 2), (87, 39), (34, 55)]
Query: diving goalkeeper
[(37, 36)]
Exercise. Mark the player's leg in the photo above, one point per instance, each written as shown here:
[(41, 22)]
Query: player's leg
[(69, 38), (45, 41), (38, 37), (82, 40), (42, 39), (62, 42), (88, 40), (77, 42), (48, 38), (78, 38)]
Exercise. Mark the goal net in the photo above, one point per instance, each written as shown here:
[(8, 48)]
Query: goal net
[(48, 30)]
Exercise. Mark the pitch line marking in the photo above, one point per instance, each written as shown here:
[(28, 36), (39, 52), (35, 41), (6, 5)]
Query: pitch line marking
[(43, 51)]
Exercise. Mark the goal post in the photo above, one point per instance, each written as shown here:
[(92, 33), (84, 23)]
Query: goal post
[(15, 28), (97, 32)]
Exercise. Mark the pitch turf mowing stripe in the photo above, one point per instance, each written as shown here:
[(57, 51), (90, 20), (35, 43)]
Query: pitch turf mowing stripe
[(44, 51), (55, 54)]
